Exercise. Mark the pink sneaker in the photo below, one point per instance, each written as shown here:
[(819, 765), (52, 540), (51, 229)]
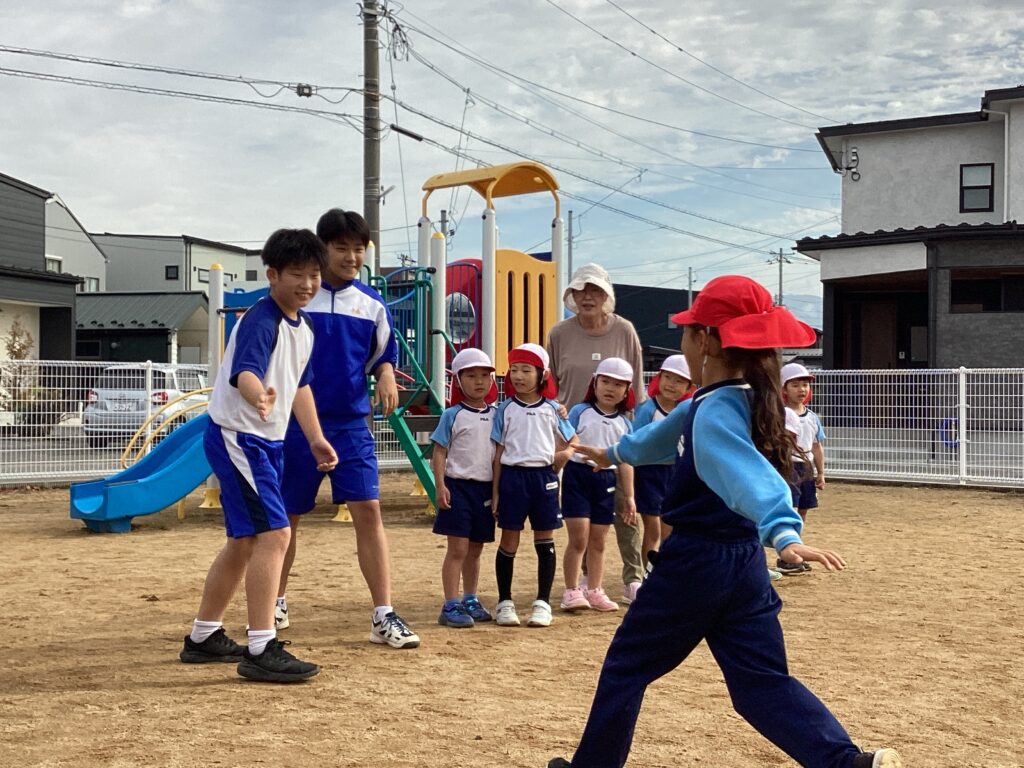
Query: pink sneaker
[(629, 592), (599, 601), (573, 599)]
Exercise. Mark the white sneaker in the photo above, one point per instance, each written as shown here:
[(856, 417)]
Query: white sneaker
[(505, 614), (886, 758), (629, 592), (393, 631), (540, 616), (280, 617)]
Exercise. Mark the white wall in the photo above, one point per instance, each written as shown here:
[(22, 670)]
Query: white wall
[(870, 260), (137, 263), (29, 316), (203, 256), (1016, 197), (66, 240), (912, 178)]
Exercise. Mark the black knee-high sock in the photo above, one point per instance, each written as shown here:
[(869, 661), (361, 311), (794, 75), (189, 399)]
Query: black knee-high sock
[(504, 562), (545, 568)]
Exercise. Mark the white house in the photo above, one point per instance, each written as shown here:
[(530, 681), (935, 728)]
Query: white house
[(71, 250), (929, 268)]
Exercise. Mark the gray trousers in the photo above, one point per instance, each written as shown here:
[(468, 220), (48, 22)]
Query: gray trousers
[(629, 539)]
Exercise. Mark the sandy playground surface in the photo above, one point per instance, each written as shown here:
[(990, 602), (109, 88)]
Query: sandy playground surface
[(917, 645)]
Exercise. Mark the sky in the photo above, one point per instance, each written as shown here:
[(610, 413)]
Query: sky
[(691, 124)]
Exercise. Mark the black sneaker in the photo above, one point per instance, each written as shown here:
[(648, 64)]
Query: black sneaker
[(559, 762), (789, 569), (883, 758), (806, 566), (217, 647), (276, 665)]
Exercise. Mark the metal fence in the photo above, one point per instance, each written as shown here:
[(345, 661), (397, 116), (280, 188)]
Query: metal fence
[(936, 426)]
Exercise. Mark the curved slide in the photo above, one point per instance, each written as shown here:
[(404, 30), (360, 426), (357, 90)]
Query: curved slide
[(170, 471)]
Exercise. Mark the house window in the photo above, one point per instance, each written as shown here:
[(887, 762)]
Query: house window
[(203, 275), (87, 348), (251, 275), (976, 188), (53, 264), (91, 285), (171, 272), (985, 291)]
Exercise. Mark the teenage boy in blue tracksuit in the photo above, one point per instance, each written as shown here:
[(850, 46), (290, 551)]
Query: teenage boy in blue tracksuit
[(354, 339)]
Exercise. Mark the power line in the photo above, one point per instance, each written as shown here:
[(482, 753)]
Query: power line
[(669, 72), (682, 50), (467, 54)]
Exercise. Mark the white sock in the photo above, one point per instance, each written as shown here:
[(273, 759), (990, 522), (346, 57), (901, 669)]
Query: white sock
[(201, 630), (380, 612), (282, 602), (259, 639)]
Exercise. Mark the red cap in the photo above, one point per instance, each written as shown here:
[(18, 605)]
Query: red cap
[(742, 311), (537, 356)]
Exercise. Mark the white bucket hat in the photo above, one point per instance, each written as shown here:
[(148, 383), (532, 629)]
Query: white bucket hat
[(677, 364), (471, 358), (595, 275), (615, 368), (792, 371)]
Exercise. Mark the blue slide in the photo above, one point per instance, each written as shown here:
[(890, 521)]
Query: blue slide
[(170, 471)]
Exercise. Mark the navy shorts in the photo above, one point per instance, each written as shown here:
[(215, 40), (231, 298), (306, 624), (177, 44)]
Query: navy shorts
[(805, 494), (588, 494), (249, 470), (650, 484), (354, 479), (470, 515), (528, 492)]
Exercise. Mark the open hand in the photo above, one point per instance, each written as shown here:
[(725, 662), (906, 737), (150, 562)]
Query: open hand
[(326, 458), (798, 553), (598, 456), (629, 510), (265, 403)]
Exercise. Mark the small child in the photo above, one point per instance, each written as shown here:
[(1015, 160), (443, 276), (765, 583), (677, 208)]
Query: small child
[(463, 463), (796, 391), (533, 443), (671, 385), (264, 377), (588, 493)]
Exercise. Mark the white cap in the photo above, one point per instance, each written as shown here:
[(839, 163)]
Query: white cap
[(677, 364), (792, 421), (471, 358), (596, 275), (615, 368), (539, 351), (792, 371)]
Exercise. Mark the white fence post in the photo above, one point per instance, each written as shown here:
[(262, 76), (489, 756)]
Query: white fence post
[(961, 420), (149, 402)]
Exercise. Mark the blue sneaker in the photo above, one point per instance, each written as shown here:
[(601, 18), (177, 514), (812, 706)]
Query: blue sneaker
[(455, 615), (476, 609)]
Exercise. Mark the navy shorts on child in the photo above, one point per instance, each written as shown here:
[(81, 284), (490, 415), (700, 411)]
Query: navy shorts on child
[(528, 493), (469, 515), (354, 479), (805, 494), (650, 483), (588, 494)]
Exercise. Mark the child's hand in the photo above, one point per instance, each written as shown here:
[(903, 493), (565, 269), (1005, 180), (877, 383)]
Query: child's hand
[(265, 405), (629, 510), (326, 458), (797, 553), (563, 412), (494, 506), (444, 496), (597, 455), (819, 482), (562, 458)]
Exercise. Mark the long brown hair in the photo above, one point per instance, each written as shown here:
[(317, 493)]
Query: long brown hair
[(768, 418)]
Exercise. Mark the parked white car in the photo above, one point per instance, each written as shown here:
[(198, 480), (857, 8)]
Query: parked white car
[(117, 405)]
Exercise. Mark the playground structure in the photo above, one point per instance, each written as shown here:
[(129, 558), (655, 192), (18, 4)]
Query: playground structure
[(505, 298)]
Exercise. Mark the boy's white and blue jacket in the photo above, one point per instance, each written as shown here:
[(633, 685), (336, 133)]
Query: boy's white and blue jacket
[(723, 488), (354, 335), (649, 412)]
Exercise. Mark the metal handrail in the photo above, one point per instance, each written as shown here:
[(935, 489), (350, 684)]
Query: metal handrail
[(142, 430)]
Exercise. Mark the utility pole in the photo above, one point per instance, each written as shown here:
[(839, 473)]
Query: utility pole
[(689, 290), (569, 264), (781, 260), (371, 126), (444, 223)]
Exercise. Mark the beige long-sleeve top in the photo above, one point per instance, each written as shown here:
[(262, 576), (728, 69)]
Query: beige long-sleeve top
[(575, 354)]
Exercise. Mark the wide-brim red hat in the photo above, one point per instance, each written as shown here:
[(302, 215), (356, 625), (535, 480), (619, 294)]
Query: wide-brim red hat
[(742, 311)]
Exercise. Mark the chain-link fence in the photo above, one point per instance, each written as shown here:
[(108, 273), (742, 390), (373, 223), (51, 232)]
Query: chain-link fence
[(66, 421)]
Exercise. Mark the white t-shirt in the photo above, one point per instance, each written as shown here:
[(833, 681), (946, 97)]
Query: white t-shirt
[(596, 428), (529, 433), (466, 433), (277, 350), (810, 431)]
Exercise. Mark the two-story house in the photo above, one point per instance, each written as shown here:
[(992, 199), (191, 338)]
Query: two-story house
[(40, 296), (168, 263), (70, 248), (929, 268)]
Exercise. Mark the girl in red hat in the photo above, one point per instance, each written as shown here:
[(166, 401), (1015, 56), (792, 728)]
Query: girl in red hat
[(533, 444), (726, 499)]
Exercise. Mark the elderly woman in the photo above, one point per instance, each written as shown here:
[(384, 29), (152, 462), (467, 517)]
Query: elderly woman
[(576, 345)]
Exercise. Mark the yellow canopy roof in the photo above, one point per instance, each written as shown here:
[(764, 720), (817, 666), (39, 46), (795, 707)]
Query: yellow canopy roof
[(522, 178)]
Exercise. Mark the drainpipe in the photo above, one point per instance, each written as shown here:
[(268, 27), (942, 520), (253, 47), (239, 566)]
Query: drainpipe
[(1006, 161)]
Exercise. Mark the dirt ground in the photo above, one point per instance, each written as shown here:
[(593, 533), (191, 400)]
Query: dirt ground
[(917, 645)]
